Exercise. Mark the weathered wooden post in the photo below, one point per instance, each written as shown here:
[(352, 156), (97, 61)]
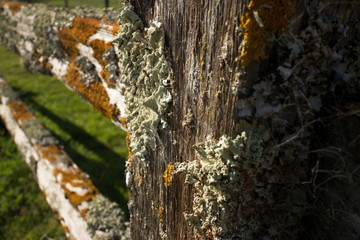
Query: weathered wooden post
[(235, 110)]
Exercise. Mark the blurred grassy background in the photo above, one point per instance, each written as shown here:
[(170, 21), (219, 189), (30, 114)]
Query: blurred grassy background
[(73, 3), (96, 145), (24, 213)]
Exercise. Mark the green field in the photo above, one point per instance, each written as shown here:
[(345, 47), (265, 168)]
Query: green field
[(24, 213), (96, 145), (72, 3)]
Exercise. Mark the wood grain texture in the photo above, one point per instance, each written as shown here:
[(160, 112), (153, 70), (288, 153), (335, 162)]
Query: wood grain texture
[(204, 44)]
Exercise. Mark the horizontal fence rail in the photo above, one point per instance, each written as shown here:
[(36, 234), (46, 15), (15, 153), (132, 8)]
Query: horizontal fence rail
[(74, 45), (83, 212)]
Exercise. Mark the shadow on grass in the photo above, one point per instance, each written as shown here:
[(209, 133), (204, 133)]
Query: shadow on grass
[(108, 175)]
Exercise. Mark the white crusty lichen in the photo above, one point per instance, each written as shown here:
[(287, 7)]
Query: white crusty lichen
[(145, 73), (106, 220), (225, 177)]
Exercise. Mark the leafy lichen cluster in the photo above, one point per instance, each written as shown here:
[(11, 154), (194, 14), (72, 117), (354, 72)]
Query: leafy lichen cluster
[(8, 33), (67, 43), (235, 183), (106, 220), (313, 78), (145, 74), (267, 181)]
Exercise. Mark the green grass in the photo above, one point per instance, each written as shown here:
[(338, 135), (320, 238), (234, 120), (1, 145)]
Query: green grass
[(24, 213), (72, 3), (91, 140)]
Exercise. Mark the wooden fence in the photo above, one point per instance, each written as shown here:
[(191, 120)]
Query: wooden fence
[(229, 126)]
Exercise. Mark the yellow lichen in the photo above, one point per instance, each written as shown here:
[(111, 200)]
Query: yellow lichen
[(263, 20), (37, 57), (95, 93), (100, 47), (161, 213), (168, 175), (14, 6), (20, 111), (76, 178), (50, 152), (128, 136), (80, 32), (123, 121), (139, 179), (115, 28)]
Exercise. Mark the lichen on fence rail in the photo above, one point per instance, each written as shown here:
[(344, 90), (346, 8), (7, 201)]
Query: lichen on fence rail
[(74, 45), (68, 190)]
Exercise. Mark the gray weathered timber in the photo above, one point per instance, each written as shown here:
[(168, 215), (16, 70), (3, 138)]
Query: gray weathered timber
[(83, 212), (73, 45), (260, 138), (216, 92)]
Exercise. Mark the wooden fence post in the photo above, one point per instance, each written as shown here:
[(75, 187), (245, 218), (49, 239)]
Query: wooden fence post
[(232, 109)]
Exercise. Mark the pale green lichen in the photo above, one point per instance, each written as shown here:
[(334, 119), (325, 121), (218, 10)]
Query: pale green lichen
[(33, 128), (40, 35), (8, 34), (313, 77), (227, 176), (48, 18), (8, 92), (37, 133), (106, 220), (145, 74)]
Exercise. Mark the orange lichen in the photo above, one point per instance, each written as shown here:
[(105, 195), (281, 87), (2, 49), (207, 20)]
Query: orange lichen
[(76, 178), (128, 137), (81, 30), (168, 175), (105, 75), (50, 152), (95, 93), (14, 6), (161, 213), (20, 111), (38, 59), (123, 121), (112, 27), (100, 47), (68, 43), (263, 20), (115, 28), (83, 212), (139, 179)]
